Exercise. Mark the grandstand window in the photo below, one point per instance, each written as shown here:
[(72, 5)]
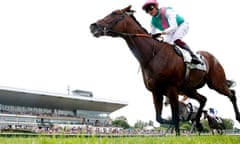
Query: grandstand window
[(22, 115)]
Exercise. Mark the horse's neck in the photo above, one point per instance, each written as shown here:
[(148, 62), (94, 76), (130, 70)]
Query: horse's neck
[(143, 48), (210, 118)]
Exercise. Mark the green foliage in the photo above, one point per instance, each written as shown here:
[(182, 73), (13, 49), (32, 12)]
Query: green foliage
[(185, 125), (229, 123), (139, 124), (123, 118), (121, 122), (150, 123)]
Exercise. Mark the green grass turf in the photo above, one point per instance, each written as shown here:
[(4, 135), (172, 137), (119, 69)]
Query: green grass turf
[(123, 140)]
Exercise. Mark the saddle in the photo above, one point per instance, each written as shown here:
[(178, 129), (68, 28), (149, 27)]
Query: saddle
[(187, 58), (189, 107), (189, 112), (219, 120)]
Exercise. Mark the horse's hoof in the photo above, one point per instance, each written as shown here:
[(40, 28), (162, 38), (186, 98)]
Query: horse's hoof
[(199, 127), (238, 118)]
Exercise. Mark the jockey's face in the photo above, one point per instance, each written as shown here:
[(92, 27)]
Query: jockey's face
[(152, 10)]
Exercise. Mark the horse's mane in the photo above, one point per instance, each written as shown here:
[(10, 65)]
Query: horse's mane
[(134, 18)]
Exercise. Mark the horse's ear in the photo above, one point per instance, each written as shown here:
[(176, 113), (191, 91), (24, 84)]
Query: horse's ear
[(128, 10)]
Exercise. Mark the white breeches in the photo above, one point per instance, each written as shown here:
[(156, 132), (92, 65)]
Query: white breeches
[(180, 32)]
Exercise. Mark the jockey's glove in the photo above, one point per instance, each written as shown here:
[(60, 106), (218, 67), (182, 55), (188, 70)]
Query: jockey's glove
[(156, 35)]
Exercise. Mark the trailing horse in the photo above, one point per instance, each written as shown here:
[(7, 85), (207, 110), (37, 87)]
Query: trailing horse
[(187, 112), (213, 123), (164, 71)]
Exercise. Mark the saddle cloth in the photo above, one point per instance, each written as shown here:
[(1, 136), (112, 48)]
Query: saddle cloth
[(187, 58)]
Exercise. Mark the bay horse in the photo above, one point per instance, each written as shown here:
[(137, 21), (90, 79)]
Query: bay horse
[(214, 124), (162, 68)]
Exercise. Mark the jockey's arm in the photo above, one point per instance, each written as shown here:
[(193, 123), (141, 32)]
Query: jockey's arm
[(171, 17)]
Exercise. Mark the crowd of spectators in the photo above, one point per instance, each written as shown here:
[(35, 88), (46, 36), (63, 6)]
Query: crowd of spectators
[(95, 130)]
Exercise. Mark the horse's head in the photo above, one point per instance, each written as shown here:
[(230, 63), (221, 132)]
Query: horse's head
[(113, 24), (205, 113)]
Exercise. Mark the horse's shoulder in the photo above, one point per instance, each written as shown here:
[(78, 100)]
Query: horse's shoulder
[(166, 44), (168, 47)]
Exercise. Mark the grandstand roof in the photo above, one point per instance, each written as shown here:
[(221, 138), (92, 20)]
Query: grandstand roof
[(30, 98)]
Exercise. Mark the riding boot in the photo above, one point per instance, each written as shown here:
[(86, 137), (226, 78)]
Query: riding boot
[(195, 59)]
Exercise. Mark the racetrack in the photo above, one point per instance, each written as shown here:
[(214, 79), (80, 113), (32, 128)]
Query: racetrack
[(206, 139)]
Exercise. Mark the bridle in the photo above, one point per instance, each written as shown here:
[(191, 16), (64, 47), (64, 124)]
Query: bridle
[(109, 28)]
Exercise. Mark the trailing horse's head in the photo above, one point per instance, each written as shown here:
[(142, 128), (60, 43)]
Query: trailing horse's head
[(113, 24), (205, 113)]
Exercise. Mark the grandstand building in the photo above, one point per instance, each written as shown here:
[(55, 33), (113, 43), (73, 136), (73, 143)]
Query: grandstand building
[(21, 108)]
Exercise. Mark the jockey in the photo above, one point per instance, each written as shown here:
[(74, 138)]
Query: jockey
[(212, 112), (173, 26), (187, 101)]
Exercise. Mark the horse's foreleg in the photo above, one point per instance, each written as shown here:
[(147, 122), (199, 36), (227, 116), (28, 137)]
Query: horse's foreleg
[(193, 126), (158, 104), (202, 101), (173, 98), (219, 131), (212, 131), (170, 127), (175, 118)]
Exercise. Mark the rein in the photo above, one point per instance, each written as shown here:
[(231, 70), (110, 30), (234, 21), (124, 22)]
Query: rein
[(129, 34), (109, 29), (137, 35)]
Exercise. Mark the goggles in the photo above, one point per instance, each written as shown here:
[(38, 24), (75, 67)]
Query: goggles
[(149, 8)]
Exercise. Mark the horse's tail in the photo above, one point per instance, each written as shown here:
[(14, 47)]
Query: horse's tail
[(231, 83)]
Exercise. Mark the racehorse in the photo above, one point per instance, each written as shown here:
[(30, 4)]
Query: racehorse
[(187, 112), (163, 70), (214, 124)]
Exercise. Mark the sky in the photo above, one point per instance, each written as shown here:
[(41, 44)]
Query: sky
[(47, 46)]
